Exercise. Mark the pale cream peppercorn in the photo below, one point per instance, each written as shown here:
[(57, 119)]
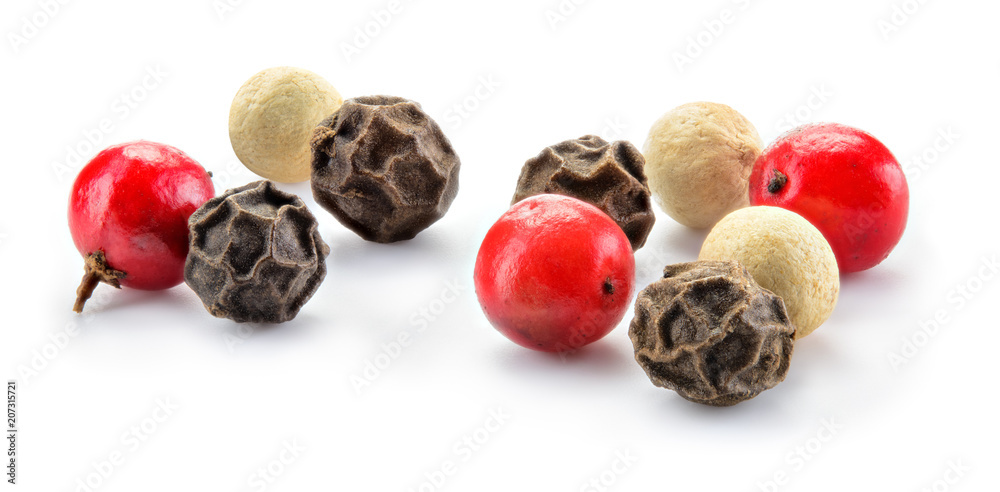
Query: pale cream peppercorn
[(698, 161), (272, 119), (786, 255)]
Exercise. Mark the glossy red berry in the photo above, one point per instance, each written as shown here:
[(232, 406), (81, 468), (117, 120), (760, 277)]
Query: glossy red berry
[(842, 180), (554, 273), (128, 215)]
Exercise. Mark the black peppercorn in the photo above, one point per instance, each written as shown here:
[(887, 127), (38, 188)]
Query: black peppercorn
[(255, 254), (707, 331), (607, 175), (383, 168)]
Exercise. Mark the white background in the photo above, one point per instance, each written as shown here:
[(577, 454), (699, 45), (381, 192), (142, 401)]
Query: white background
[(239, 393)]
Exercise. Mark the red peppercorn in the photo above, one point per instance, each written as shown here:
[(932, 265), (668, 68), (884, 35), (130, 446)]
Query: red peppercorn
[(842, 180), (128, 214), (554, 273)]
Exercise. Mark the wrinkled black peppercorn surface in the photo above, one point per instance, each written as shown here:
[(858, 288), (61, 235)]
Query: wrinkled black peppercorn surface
[(383, 168), (707, 331), (255, 254), (608, 175)]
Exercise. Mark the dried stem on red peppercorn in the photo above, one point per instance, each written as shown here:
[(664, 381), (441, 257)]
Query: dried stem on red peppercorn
[(96, 270)]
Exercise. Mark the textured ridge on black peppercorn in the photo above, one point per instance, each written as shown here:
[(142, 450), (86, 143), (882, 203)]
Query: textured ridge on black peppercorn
[(608, 175), (707, 331), (255, 254), (383, 168)]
